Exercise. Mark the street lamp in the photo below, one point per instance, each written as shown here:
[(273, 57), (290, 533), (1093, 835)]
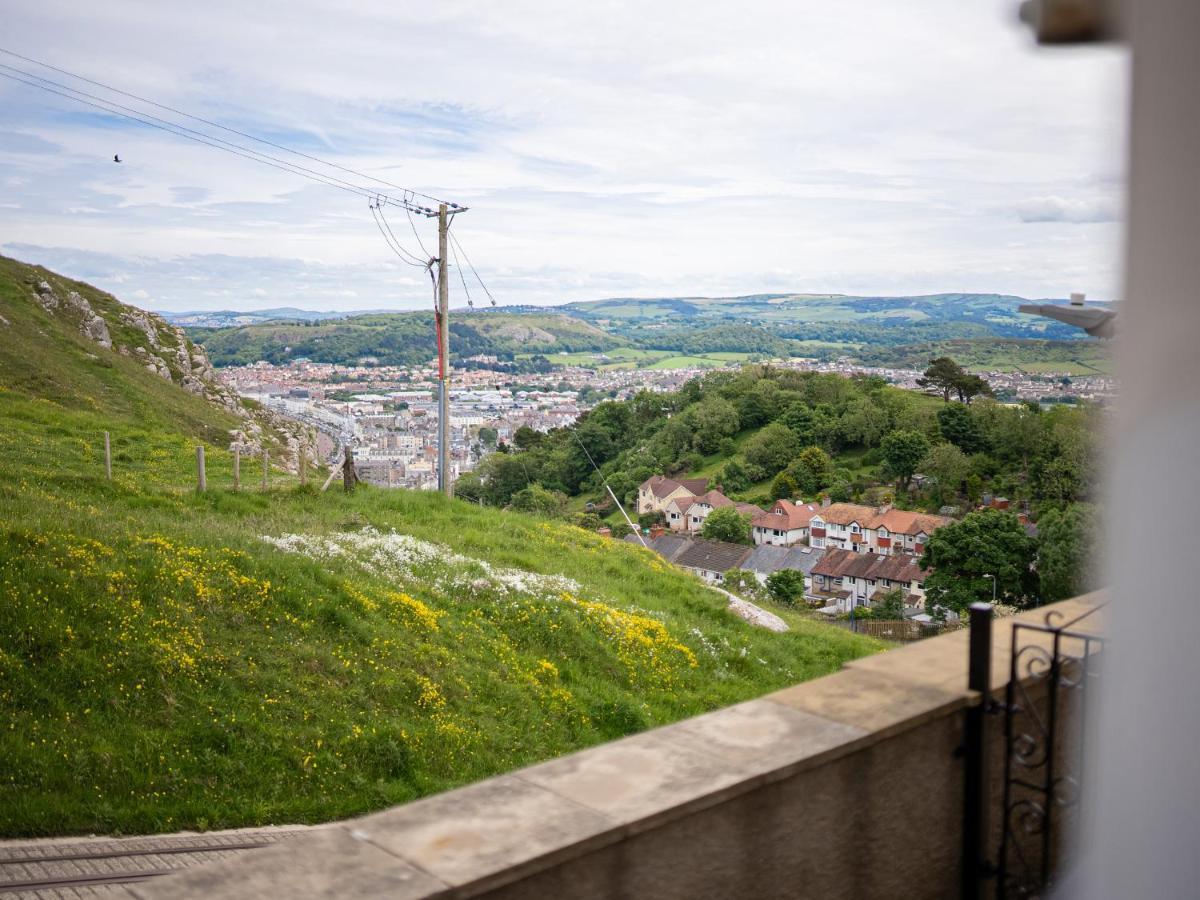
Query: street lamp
[(993, 577)]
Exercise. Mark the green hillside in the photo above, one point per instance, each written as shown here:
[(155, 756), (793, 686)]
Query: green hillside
[(402, 338), (983, 329), (170, 659)]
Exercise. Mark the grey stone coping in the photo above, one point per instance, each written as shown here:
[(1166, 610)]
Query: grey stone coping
[(497, 831)]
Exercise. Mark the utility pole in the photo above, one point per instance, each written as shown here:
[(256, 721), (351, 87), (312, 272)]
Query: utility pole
[(443, 311)]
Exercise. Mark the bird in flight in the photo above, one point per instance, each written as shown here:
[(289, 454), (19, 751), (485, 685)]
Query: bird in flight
[(116, 157)]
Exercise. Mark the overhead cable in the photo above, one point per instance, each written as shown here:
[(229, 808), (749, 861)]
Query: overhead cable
[(195, 118)]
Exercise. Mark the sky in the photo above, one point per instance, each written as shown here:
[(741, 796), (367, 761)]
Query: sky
[(607, 149)]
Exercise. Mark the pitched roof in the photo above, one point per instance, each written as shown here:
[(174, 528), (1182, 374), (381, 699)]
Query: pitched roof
[(695, 485), (897, 521), (714, 499), (712, 556), (839, 563), (786, 516), (668, 546), (748, 509), (765, 559), (803, 559), (662, 486)]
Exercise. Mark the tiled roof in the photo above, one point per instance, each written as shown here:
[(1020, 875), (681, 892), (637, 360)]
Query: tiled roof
[(839, 563), (786, 516), (897, 521), (714, 499), (765, 559), (712, 556)]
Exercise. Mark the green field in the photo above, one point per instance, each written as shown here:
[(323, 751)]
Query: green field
[(633, 358), (171, 659)]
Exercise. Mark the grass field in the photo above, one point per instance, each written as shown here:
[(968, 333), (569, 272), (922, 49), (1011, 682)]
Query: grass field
[(633, 358), (171, 660)]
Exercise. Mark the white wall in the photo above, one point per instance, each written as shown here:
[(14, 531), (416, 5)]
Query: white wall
[(1144, 788)]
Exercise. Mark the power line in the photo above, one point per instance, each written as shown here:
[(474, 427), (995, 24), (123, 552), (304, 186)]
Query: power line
[(196, 118), (415, 260), (395, 248), (251, 155), (145, 118), (466, 290), (454, 241), (413, 225)]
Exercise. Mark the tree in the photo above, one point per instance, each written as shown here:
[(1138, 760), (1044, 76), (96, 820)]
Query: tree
[(1066, 544), (943, 375), (620, 529), (712, 420), (726, 524), (487, 436), (742, 582), (1058, 480), (971, 386), (770, 450), (888, 605), (536, 499), (949, 466), (786, 586), (812, 469), (990, 542), (733, 477), (902, 453), (959, 427), (784, 486), (524, 437)]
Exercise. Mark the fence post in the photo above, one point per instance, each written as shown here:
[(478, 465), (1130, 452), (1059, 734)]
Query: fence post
[(237, 467), (349, 476), (975, 794), (302, 465), (202, 483), (107, 457), (266, 465)]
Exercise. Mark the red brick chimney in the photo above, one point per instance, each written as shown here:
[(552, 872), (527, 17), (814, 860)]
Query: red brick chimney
[(825, 501), (604, 532)]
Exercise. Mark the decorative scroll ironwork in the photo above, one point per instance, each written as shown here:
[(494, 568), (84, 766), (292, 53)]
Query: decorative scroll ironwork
[(1045, 717)]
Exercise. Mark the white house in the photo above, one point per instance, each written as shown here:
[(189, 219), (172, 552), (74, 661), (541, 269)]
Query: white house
[(785, 524)]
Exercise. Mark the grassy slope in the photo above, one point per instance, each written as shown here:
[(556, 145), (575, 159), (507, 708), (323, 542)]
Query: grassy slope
[(163, 667)]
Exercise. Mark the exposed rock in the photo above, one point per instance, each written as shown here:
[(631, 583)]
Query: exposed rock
[(45, 297), (144, 322), (192, 384), (97, 329)]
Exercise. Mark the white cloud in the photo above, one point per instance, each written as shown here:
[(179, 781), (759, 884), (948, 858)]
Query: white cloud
[(622, 148), (1059, 209)]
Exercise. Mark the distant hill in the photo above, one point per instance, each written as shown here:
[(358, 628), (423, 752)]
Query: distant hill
[(228, 318), (403, 338), (869, 329), (172, 660)]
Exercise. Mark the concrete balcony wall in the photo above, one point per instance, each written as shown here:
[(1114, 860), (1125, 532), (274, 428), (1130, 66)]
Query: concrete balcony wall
[(846, 786)]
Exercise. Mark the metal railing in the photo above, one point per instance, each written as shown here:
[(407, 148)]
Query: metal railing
[(1044, 713)]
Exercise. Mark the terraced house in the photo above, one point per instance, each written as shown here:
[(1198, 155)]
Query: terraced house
[(849, 578), (868, 529)]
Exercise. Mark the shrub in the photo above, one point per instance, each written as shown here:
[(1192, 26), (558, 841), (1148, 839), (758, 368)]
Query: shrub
[(786, 586)]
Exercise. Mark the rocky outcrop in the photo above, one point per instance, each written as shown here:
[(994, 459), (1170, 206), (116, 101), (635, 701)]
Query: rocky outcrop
[(169, 354), (91, 325)]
